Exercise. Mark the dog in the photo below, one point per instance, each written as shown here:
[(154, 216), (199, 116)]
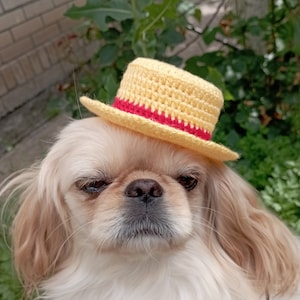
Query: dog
[(113, 213)]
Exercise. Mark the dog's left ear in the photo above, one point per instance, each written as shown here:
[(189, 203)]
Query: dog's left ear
[(41, 230), (251, 236)]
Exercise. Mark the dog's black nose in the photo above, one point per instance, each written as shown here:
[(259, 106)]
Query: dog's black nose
[(145, 190)]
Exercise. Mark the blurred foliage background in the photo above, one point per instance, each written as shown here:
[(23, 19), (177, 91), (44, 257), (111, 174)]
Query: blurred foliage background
[(255, 61)]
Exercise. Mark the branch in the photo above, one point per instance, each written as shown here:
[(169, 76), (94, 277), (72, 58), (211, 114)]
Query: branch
[(214, 15), (199, 32)]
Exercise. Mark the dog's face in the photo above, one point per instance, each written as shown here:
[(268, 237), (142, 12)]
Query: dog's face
[(105, 189), (125, 192)]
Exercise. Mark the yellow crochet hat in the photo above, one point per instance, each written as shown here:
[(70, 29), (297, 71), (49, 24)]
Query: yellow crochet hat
[(167, 103)]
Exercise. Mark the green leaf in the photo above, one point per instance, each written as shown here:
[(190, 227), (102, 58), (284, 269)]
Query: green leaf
[(296, 36), (212, 58), (111, 34), (155, 18), (209, 35), (227, 95), (196, 66), (232, 138), (174, 60), (215, 77), (198, 14), (211, 74), (108, 54), (127, 56), (111, 86), (253, 26), (171, 37), (291, 98), (291, 3), (100, 12), (141, 4)]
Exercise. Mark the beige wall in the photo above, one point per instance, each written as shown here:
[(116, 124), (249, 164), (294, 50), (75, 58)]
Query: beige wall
[(36, 48)]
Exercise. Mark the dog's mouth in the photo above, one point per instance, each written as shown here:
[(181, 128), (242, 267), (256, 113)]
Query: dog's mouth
[(145, 226)]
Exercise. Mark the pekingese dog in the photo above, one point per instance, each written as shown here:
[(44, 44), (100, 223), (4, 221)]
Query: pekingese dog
[(137, 204), (111, 214)]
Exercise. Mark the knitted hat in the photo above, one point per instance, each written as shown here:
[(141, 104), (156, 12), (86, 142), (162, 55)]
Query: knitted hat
[(163, 102)]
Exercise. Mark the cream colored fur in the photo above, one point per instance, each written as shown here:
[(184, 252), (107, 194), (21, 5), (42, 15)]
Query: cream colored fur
[(224, 245)]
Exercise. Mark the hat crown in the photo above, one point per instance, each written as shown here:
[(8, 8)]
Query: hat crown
[(170, 95), (163, 102)]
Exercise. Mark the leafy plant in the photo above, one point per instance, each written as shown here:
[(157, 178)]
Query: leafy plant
[(260, 86), (262, 92), (126, 30), (282, 191), (10, 287), (264, 88)]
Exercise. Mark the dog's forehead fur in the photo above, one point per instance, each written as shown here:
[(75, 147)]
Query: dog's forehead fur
[(96, 145)]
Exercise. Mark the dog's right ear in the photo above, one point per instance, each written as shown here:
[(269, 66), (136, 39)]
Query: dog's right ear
[(40, 231), (253, 238)]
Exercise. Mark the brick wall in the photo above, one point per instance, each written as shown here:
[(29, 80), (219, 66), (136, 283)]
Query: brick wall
[(36, 48)]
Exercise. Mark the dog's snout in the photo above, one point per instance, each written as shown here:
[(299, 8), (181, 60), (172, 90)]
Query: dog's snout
[(145, 190)]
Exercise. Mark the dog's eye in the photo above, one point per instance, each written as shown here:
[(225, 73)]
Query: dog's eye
[(188, 182), (93, 187)]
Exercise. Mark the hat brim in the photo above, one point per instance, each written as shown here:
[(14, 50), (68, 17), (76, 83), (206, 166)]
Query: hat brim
[(159, 131)]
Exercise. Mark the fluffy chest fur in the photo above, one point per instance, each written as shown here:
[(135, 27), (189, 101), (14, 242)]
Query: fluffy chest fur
[(187, 274)]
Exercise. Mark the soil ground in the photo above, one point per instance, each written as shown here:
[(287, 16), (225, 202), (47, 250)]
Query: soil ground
[(27, 134)]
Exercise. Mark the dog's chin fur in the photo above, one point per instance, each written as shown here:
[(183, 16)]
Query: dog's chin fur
[(191, 272), (83, 230)]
